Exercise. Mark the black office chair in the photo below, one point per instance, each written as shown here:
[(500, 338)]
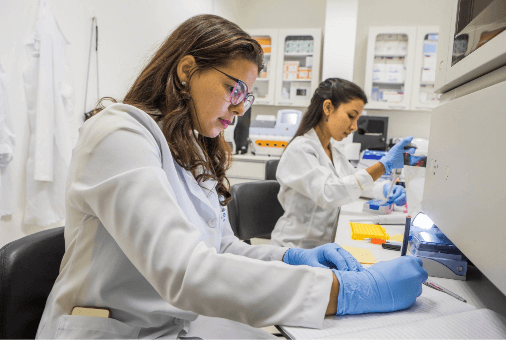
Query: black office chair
[(254, 209), (28, 269), (270, 170)]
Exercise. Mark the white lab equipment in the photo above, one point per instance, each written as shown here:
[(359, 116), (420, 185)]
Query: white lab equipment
[(463, 194), (7, 141), (312, 190), (49, 96), (270, 137), (157, 271)]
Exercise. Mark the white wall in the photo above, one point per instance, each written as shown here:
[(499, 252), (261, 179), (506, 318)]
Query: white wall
[(395, 13), (256, 14), (129, 31), (340, 39)]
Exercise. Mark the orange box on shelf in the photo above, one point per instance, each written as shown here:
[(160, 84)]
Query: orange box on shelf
[(303, 73)]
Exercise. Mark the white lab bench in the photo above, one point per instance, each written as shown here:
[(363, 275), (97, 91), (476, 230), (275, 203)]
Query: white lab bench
[(477, 289), (247, 168)]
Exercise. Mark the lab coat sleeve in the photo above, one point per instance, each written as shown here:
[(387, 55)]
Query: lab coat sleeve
[(116, 175), (232, 245), (377, 192), (301, 170)]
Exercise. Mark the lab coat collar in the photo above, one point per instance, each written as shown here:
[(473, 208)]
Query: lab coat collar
[(335, 151), (312, 134)]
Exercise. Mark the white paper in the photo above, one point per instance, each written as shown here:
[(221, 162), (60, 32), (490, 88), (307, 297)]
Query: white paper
[(414, 186), (430, 305), (474, 324)]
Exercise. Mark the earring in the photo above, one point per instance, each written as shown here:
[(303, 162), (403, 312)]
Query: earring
[(183, 83), (327, 118)]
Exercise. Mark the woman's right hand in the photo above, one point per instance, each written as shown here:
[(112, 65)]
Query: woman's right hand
[(384, 287), (394, 157)]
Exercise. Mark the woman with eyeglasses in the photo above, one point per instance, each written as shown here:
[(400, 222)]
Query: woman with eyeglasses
[(316, 178), (149, 249)]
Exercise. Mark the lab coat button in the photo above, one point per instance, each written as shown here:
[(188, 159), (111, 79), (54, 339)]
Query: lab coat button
[(212, 223)]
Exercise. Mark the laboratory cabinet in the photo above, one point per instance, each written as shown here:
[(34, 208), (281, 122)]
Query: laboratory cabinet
[(247, 168), (292, 66), (389, 67), (264, 86), (425, 65)]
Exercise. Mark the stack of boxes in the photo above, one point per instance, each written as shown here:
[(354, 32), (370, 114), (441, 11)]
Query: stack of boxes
[(389, 67), (265, 43), (298, 45), (302, 45)]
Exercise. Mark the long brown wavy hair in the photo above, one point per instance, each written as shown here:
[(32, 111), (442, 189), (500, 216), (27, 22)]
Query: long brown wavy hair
[(213, 41), (338, 91)]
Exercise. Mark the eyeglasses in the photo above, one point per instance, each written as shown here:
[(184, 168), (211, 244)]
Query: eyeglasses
[(240, 92)]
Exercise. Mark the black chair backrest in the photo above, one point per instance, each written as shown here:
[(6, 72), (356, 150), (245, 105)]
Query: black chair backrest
[(28, 269), (254, 209), (270, 170)]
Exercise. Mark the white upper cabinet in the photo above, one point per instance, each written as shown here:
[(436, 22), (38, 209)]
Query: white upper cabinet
[(390, 67), (423, 89), (264, 87), (298, 66)]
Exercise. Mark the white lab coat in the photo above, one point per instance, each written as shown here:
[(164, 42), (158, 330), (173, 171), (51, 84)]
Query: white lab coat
[(49, 97), (312, 189), (146, 241), (7, 140)]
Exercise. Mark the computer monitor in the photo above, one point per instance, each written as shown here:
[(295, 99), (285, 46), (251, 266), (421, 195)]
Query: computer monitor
[(241, 132), (371, 133)]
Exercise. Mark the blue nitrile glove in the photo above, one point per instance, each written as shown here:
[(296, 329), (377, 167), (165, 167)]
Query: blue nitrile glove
[(398, 195), (384, 287), (329, 255), (394, 157)]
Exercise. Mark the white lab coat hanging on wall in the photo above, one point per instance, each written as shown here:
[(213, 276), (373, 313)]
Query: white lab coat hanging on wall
[(49, 96), (7, 139)]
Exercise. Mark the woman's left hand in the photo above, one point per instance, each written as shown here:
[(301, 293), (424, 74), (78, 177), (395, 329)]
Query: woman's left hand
[(329, 255), (398, 195)]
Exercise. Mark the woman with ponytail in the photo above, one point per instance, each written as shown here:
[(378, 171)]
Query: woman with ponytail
[(316, 178)]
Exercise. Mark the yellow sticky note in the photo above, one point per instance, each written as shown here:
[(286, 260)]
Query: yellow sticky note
[(398, 237), (364, 256)]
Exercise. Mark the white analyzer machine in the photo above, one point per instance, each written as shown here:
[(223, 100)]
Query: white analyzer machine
[(270, 137)]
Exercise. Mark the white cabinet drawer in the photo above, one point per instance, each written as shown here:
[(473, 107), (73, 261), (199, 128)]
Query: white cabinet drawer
[(246, 170)]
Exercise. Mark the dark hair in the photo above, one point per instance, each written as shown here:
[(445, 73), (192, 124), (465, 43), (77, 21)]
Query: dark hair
[(338, 91), (213, 41)]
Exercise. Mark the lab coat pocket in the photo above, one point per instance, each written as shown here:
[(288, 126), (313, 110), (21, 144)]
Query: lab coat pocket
[(90, 327)]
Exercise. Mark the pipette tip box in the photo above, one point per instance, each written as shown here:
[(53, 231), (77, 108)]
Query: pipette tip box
[(379, 207), (360, 231)]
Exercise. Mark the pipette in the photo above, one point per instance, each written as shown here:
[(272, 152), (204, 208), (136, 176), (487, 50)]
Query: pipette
[(397, 172)]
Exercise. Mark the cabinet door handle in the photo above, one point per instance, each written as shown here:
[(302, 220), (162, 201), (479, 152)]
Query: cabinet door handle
[(285, 103), (399, 107)]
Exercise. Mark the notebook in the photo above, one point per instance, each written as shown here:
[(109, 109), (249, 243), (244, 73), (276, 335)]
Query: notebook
[(435, 315)]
